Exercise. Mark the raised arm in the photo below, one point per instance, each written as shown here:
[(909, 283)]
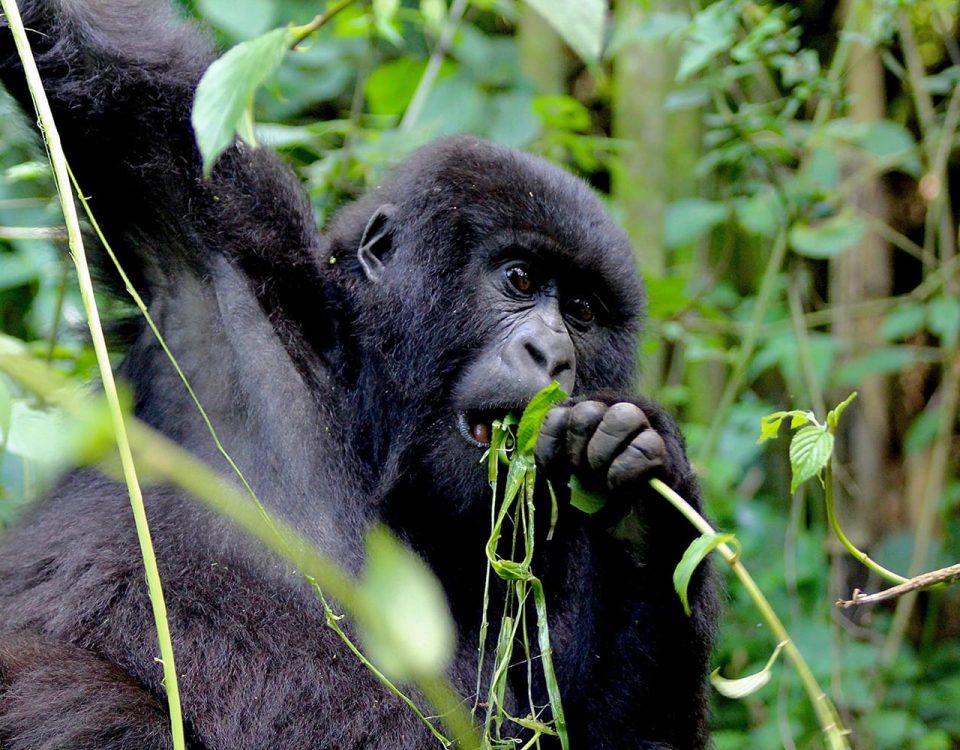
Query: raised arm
[(120, 75)]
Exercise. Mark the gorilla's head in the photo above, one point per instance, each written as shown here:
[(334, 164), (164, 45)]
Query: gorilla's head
[(479, 275)]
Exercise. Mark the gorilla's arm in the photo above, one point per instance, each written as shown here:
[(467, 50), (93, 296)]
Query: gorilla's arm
[(120, 77)]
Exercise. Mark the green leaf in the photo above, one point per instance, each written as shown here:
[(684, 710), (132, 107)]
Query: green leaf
[(652, 26), (410, 633), (223, 107), (922, 431), (712, 33), (241, 19), (516, 474), (745, 686), (532, 418), (385, 21), (810, 450), (761, 214), (434, 14), (884, 361), (581, 24), (666, 296), (827, 238), (770, 424), (943, 319), (689, 219), (695, 554), (903, 321), (833, 417), (583, 499), (562, 113), (391, 86)]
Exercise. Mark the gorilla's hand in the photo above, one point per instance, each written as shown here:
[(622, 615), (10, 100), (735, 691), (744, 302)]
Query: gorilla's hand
[(611, 445)]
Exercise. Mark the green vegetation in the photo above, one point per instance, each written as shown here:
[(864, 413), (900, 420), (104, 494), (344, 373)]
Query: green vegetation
[(785, 172)]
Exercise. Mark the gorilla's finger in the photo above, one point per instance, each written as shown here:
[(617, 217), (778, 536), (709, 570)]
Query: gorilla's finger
[(552, 438), (584, 419), (618, 426), (645, 453)]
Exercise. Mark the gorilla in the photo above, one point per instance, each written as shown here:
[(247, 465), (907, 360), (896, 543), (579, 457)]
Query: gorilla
[(353, 375)]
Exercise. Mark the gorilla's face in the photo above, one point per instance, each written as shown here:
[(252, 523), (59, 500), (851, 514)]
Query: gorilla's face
[(542, 319), (488, 275)]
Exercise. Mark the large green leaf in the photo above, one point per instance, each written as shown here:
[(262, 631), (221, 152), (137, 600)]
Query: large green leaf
[(410, 632), (810, 450), (223, 107), (580, 22)]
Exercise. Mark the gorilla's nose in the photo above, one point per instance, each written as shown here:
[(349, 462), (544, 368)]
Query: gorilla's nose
[(545, 353)]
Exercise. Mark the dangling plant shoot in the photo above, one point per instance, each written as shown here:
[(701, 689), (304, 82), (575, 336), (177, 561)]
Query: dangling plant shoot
[(509, 552)]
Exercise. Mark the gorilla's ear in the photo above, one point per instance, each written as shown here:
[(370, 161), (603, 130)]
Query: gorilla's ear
[(377, 241)]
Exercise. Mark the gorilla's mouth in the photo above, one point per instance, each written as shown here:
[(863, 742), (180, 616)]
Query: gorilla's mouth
[(476, 425)]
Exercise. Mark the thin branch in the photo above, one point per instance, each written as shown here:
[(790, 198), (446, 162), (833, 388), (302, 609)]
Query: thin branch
[(943, 576), (302, 32)]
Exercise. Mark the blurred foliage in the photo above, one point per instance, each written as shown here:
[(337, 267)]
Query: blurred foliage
[(783, 153)]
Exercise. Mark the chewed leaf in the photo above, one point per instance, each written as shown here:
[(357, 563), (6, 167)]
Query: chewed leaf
[(583, 499), (534, 414), (810, 450), (748, 685), (699, 548), (410, 632), (770, 424), (223, 107), (770, 427)]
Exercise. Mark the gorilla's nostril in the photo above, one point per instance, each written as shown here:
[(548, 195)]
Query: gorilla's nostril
[(535, 354)]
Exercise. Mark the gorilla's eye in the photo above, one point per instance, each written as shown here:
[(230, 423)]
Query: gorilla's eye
[(581, 309), (520, 278)]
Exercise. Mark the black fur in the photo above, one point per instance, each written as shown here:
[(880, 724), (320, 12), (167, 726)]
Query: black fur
[(335, 387)]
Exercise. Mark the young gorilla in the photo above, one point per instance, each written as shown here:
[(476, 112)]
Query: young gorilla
[(354, 377)]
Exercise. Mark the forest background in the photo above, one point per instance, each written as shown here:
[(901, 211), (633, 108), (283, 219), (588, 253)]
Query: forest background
[(784, 172)]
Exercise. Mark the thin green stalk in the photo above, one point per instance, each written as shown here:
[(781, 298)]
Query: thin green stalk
[(432, 70), (332, 623), (58, 161), (833, 731), (745, 352), (302, 32), (855, 552)]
